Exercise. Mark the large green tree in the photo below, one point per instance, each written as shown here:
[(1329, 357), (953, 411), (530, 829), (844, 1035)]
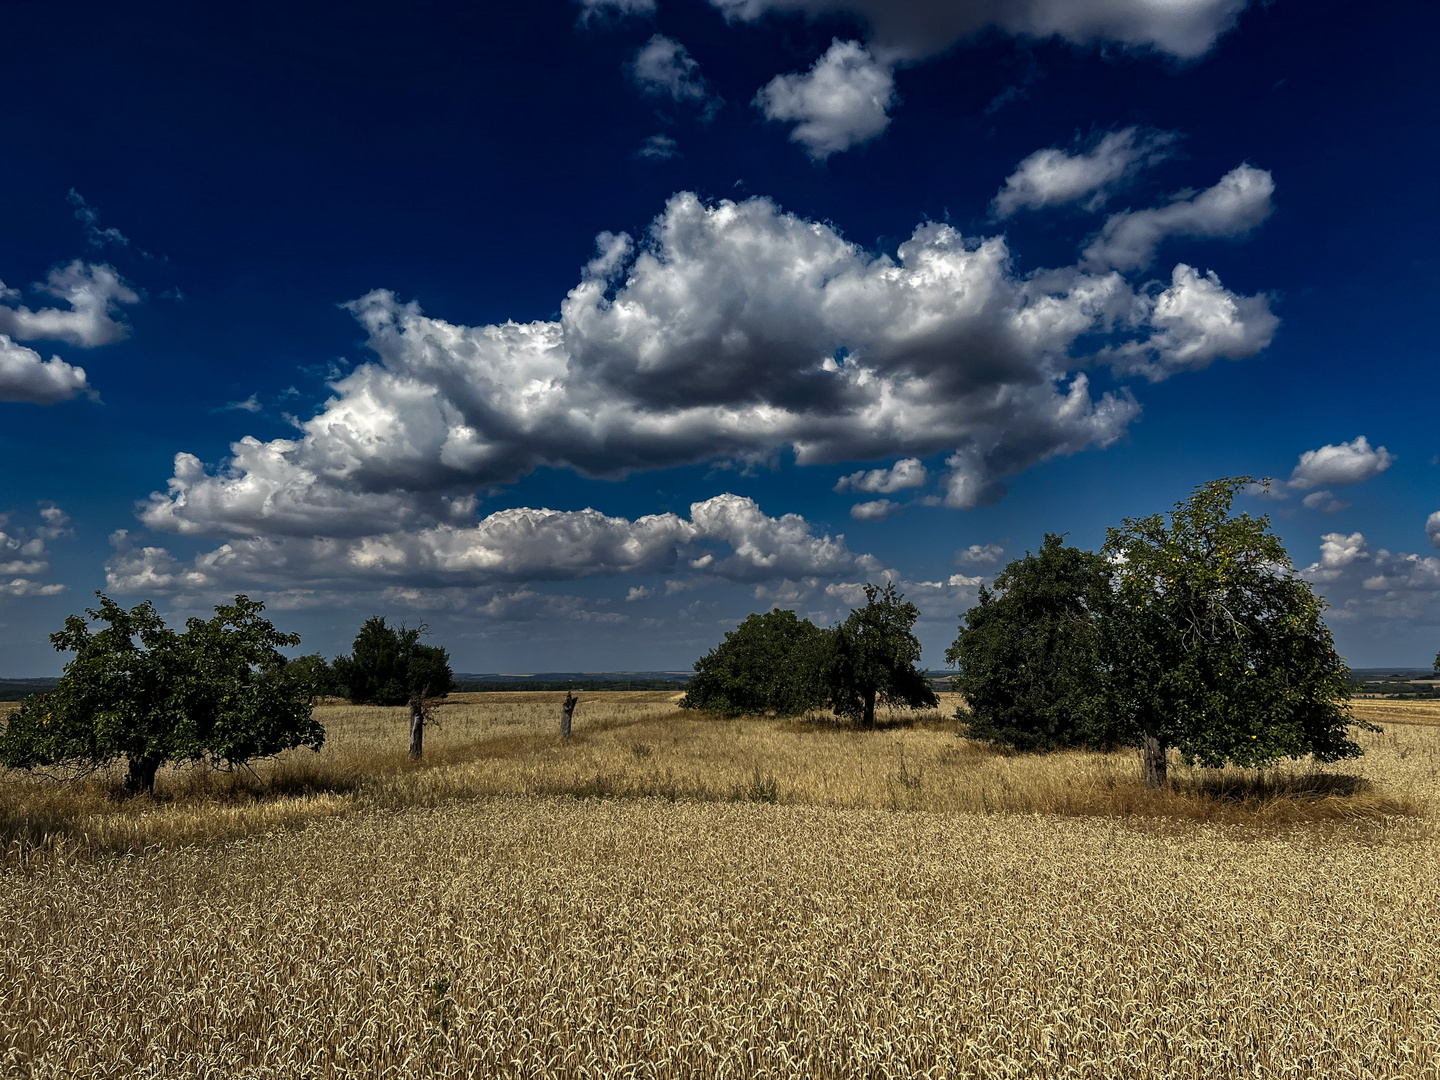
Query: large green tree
[(873, 659), (1029, 653), (390, 665), (769, 663), (137, 690), (1216, 646)]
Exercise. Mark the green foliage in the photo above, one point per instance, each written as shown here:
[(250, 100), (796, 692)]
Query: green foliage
[(873, 658), (1215, 646), (315, 670), (136, 689), (1029, 653), (389, 665), (766, 664)]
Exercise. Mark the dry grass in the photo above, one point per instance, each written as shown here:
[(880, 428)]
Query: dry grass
[(638, 745), (1399, 712), (671, 896)]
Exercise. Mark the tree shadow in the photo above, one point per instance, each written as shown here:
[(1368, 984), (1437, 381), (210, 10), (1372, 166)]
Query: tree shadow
[(1262, 787)]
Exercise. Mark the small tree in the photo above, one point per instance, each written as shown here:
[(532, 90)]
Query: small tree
[(873, 659), (1029, 653), (769, 663), (315, 670), (137, 690), (1215, 646), (390, 665)]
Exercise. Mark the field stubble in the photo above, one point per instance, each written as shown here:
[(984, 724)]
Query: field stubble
[(749, 898)]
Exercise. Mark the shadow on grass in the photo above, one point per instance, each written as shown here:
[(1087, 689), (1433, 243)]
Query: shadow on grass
[(814, 722), (759, 787)]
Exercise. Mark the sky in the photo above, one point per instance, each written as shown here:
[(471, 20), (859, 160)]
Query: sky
[(578, 331)]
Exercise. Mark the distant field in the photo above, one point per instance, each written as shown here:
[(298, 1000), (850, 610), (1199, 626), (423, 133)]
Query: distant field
[(673, 896), (1398, 712)]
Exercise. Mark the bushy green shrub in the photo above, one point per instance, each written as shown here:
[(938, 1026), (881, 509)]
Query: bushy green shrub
[(768, 664)]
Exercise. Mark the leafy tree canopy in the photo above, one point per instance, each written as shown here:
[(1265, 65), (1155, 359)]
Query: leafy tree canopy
[(136, 689), (1029, 653), (874, 658), (766, 664), (389, 665), (1215, 646)]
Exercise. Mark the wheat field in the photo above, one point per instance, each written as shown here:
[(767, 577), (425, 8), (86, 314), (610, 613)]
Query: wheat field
[(672, 896)]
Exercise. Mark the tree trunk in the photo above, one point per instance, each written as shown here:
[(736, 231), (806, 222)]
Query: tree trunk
[(140, 780), (417, 728), (1154, 765), (868, 720), (567, 713)]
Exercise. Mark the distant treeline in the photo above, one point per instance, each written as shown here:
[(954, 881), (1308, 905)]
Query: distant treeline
[(20, 689), (464, 686)]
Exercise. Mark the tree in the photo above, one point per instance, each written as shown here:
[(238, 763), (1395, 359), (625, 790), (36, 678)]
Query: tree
[(1029, 653), (1215, 646), (873, 656), (315, 669), (769, 663), (390, 665), (137, 690)]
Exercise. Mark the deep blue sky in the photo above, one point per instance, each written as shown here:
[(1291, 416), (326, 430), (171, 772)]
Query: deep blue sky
[(267, 163)]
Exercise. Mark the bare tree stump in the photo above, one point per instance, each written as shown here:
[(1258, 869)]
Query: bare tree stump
[(1155, 762), (567, 713), (417, 728)]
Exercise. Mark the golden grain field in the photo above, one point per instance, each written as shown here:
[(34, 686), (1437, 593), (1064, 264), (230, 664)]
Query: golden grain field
[(671, 896)]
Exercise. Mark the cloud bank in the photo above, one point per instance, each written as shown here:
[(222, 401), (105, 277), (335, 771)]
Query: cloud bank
[(731, 331), (24, 556), (1380, 586), (903, 30), (726, 538)]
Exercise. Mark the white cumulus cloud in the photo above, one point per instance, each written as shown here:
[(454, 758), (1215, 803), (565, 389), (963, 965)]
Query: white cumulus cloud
[(25, 376), (1350, 462), (843, 100), (875, 510), (1337, 551), (1331, 465), (905, 473), (93, 293), (1233, 207), (1054, 177), (980, 555), (914, 29), (1195, 322)]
